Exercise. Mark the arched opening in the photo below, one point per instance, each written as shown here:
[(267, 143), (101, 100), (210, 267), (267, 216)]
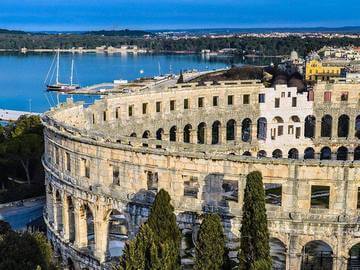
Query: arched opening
[(201, 133), (247, 153), (277, 129), (90, 228), (146, 135), (133, 135), (293, 153), (354, 257), (230, 130), (309, 153), (316, 255), (159, 134), (342, 153), (310, 124), (343, 126), (326, 126), (357, 127), (246, 130), (118, 233), (71, 217), (277, 153), (59, 209), (325, 153), (173, 134), (357, 153), (261, 128), (278, 254), (187, 133), (261, 154), (215, 132)]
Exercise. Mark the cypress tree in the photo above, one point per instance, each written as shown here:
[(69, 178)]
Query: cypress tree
[(254, 246), (210, 245), (162, 221)]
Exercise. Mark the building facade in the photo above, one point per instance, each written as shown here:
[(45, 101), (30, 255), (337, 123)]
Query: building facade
[(105, 162), (316, 71)]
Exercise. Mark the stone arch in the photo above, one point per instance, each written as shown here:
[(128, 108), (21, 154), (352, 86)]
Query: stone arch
[(247, 153), (343, 126), (278, 253), (342, 153), (293, 153), (326, 126), (261, 128), (201, 133), (58, 211), (354, 257), (159, 134), (87, 217), (246, 130), (310, 125), (71, 219), (118, 232), (316, 254), (133, 135), (261, 154), (277, 129), (309, 153), (357, 127), (146, 134), (325, 153), (215, 132), (277, 153), (357, 153), (294, 118), (230, 130), (172, 134), (187, 133)]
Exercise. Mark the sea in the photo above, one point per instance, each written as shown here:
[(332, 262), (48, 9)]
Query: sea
[(22, 76)]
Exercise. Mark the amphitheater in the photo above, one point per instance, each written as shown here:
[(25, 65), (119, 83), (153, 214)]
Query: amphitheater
[(105, 162)]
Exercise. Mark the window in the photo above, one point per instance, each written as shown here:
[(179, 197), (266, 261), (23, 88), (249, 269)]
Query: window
[(158, 106), (230, 190), (358, 198), (57, 156), (201, 102), (282, 94), (152, 180), (280, 130), (277, 102), (144, 108), (297, 132), (191, 186), (215, 101), (68, 162), (117, 113), (116, 173), (85, 168), (261, 98), (289, 94), (293, 102), (311, 95), (93, 118), (131, 107), (344, 96), (104, 116), (320, 196), (230, 100), (273, 194), (327, 96), (246, 99), (172, 105), (186, 103), (290, 129)]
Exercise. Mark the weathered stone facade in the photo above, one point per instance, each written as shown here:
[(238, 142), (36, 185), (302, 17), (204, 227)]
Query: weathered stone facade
[(199, 142)]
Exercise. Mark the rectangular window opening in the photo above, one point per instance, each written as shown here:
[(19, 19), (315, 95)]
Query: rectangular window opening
[(320, 197), (172, 105), (215, 101), (230, 190), (246, 99), (231, 100), (152, 180), (273, 193), (186, 103), (200, 102), (116, 173), (261, 98), (191, 186), (277, 102), (158, 106)]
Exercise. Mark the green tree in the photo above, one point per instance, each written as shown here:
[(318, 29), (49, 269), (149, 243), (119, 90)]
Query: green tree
[(25, 251), (254, 245), (162, 221), (210, 245)]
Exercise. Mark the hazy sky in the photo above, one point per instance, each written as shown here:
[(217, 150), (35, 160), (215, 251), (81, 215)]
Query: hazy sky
[(173, 14)]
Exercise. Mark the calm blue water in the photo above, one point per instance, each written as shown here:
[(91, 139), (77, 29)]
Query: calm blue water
[(22, 76)]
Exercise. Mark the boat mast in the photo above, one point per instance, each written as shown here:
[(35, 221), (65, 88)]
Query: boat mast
[(72, 71), (57, 66)]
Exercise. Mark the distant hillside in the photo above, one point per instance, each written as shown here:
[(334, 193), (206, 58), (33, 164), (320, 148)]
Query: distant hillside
[(121, 33), (15, 32)]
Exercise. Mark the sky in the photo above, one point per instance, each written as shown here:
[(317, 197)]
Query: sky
[(67, 15)]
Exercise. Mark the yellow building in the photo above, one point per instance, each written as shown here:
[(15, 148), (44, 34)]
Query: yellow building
[(315, 71)]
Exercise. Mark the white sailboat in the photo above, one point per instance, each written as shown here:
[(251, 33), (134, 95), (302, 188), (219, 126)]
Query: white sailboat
[(58, 86)]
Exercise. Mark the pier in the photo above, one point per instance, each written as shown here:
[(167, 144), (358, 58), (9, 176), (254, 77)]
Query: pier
[(12, 115)]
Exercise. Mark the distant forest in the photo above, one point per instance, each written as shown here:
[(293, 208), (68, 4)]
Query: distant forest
[(245, 45)]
